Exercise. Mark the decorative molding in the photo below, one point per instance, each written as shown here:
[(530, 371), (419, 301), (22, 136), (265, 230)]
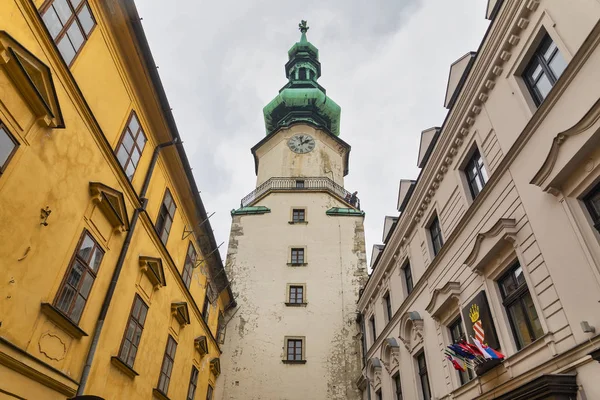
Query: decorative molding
[(504, 230), (112, 204), (215, 367), (124, 368), (390, 355), (587, 121), (153, 269), (180, 312), (441, 299), (523, 23), (374, 372), (33, 79), (411, 330), (52, 346)]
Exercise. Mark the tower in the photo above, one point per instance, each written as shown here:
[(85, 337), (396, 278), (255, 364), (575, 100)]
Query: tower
[(296, 253)]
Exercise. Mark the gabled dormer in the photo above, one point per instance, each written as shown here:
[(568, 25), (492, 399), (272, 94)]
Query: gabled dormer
[(458, 74)]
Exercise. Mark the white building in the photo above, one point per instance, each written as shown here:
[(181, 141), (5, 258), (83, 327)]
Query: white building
[(296, 254), (502, 224)]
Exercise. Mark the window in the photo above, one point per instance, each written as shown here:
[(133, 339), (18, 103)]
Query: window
[(378, 395), (298, 215), (476, 173), (193, 384), (423, 376), (167, 366), (80, 277), (165, 217), (294, 350), (299, 184), (458, 334), (131, 145), (436, 235), (296, 295), (373, 332), (592, 202), (70, 23), (297, 256), (190, 261), (206, 307), (519, 306), (133, 331), (220, 326), (8, 146), (397, 386), (408, 280), (387, 302), (209, 393), (544, 69)]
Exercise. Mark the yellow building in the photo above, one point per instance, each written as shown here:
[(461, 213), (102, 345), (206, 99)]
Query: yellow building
[(111, 283)]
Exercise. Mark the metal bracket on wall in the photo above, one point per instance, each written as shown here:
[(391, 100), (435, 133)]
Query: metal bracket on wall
[(187, 232), (208, 255)]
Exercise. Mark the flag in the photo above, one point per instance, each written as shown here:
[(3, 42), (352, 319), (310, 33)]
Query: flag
[(494, 353), (474, 349), (455, 364), (481, 348), (458, 350)]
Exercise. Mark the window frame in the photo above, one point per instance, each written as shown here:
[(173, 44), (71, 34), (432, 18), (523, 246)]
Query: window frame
[(209, 392), (73, 19), (127, 131), (296, 252), (12, 153), (423, 372), (295, 341), (133, 318), (537, 58), (516, 297), (408, 278), (467, 376), (397, 385), (160, 225), (188, 265), (373, 328), (297, 212), (296, 287), (206, 307), (76, 258), (434, 234), (378, 394), (167, 357), (193, 385), (387, 305), (594, 215), (481, 174)]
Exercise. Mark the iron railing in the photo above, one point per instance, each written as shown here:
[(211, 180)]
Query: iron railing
[(300, 184)]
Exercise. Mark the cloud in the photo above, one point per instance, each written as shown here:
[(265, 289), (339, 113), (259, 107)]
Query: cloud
[(385, 62)]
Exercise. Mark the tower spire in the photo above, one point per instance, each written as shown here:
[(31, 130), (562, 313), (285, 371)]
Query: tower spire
[(303, 28)]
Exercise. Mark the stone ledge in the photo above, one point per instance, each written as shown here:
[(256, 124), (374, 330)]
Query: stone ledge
[(126, 369), (56, 316)]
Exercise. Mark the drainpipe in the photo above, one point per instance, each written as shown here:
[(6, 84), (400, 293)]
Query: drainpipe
[(117, 272), (364, 350)]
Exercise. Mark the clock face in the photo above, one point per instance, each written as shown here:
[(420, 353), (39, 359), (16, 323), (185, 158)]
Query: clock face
[(301, 143)]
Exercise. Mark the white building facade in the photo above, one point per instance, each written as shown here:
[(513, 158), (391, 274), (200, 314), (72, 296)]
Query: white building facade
[(501, 227), (296, 254)]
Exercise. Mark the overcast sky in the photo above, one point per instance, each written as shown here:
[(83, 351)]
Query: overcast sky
[(385, 62)]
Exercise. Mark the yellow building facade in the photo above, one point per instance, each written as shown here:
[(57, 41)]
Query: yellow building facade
[(111, 283)]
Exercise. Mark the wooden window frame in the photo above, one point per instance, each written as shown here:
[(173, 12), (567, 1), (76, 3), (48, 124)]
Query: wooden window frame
[(517, 297), (475, 162), (193, 383), (435, 233), (594, 214), (387, 305), (457, 334), (127, 131), (297, 253), (397, 385), (209, 392), (294, 299), (73, 19), (168, 359), (165, 214), (10, 136), (408, 278), (77, 258), (423, 373), (206, 307), (298, 215), (538, 59), (297, 342), (135, 319), (188, 266)]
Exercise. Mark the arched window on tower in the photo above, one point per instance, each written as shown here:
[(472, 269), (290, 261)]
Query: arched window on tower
[(302, 74)]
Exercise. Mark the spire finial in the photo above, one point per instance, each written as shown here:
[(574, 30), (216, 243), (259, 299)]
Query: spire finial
[(303, 27)]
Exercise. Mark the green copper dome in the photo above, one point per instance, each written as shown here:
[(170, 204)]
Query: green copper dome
[(302, 99)]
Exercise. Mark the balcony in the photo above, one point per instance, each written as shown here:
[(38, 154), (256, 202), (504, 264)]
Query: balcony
[(301, 184)]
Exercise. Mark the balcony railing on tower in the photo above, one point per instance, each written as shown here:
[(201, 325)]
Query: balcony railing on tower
[(303, 184)]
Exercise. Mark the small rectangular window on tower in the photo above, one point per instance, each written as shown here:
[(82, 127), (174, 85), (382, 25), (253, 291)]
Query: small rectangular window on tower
[(297, 256), (299, 184), (295, 349), (296, 295), (298, 215)]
